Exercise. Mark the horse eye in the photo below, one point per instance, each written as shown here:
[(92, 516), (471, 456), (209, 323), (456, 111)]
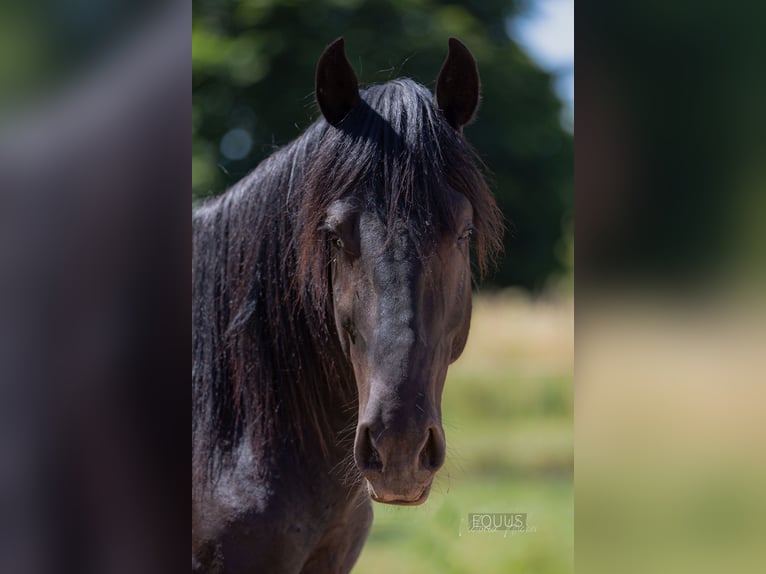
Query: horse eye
[(466, 235), (336, 241)]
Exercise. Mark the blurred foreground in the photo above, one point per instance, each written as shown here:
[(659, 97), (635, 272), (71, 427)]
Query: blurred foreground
[(94, 299)]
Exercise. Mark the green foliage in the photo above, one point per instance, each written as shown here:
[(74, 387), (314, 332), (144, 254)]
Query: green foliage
[(253, 70)]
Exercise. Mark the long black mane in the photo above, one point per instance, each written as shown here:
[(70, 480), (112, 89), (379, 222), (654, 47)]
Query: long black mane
[(266, 360)]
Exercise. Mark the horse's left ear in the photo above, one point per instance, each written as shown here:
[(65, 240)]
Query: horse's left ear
[(457, 89), (337, 91)]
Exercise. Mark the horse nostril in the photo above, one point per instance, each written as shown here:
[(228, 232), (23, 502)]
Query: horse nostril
[(433, 453), (367, 456), (374, 460)]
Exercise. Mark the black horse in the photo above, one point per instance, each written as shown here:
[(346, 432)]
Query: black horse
[(331, 290)]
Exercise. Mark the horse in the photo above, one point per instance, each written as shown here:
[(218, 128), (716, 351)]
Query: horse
[(331, 290)]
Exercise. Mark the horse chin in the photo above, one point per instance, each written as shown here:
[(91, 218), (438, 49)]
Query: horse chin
[(398, 499)]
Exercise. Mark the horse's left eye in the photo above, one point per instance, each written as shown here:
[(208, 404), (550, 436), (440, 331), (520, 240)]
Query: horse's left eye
[(336, 241), (466, 235)]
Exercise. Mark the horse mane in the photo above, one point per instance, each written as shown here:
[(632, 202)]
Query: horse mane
[(266, 360)]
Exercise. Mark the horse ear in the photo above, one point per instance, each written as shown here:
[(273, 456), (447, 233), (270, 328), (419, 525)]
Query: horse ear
[(337, 91), (457, 89)]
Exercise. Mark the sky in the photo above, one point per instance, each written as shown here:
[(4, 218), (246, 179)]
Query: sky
[(546, 31)]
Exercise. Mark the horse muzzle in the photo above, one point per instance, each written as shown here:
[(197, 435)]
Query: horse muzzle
[(399, 465)]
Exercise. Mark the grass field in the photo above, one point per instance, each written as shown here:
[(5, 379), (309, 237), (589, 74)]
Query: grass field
[(507, 411)]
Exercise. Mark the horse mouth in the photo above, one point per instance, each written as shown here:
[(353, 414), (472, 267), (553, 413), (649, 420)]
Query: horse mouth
[(400, 500)]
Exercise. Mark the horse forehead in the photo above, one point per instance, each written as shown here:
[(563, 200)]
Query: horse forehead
[(391, 242)]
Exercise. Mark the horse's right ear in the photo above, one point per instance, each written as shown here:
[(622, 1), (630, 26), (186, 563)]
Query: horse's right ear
[(337, 91)]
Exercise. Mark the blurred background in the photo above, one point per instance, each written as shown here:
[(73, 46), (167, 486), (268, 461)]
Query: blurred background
[(671, 313), (508, 401)]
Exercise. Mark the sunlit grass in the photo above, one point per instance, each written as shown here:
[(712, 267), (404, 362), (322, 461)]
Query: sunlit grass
[(507, 412)]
